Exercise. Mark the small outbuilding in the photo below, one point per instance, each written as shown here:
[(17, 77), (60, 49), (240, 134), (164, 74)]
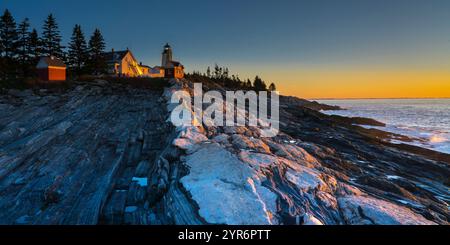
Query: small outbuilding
[(50, 68)]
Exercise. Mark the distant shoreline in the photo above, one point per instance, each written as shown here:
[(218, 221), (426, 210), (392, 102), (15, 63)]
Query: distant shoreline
[(430, 98)]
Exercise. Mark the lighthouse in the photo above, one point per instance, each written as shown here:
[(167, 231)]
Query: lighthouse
[(166, 56), (172, 68)]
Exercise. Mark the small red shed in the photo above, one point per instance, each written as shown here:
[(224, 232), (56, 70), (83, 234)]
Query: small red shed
[(51, 68)]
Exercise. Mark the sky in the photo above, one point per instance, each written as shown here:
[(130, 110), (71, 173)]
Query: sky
[(310, 49)]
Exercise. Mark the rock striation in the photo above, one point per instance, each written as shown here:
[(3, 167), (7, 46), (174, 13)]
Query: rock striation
[(314, 172), (103, 153)]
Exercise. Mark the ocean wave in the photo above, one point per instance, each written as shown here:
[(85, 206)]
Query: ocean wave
[(425, 120)]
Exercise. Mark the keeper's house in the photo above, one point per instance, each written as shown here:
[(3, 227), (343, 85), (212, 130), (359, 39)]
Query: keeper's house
[(51, 68)]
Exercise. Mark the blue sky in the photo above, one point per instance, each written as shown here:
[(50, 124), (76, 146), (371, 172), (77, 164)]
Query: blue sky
[(264, 37)]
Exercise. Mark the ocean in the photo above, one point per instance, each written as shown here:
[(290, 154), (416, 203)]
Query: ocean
[(427, 119)]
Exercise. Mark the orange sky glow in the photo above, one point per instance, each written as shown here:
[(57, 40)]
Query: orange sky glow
[(316, 83)]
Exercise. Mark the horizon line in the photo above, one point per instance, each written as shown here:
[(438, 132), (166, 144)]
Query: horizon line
[(387, 98)]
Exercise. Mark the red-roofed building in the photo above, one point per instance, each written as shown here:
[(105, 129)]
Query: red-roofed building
[(51, 68)]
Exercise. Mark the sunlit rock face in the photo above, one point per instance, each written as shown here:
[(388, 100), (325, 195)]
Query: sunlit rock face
[(368, 210), (226, 190)]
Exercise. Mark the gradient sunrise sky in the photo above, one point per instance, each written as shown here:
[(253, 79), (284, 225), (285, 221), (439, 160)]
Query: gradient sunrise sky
[(312, 49)]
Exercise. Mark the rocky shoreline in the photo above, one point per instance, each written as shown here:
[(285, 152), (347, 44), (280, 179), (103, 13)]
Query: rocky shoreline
[(102, 153)]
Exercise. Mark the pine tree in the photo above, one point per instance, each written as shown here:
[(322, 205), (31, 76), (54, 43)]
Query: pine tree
[(263, 86), (78, 52), (238, 80), (226, 72), (248, 84), (8, 35), (216, 71), (22, 45), (97, 62), (259, 84), (220, 73), (51, 39), (208, 72), (272, 87), (34, 47)]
